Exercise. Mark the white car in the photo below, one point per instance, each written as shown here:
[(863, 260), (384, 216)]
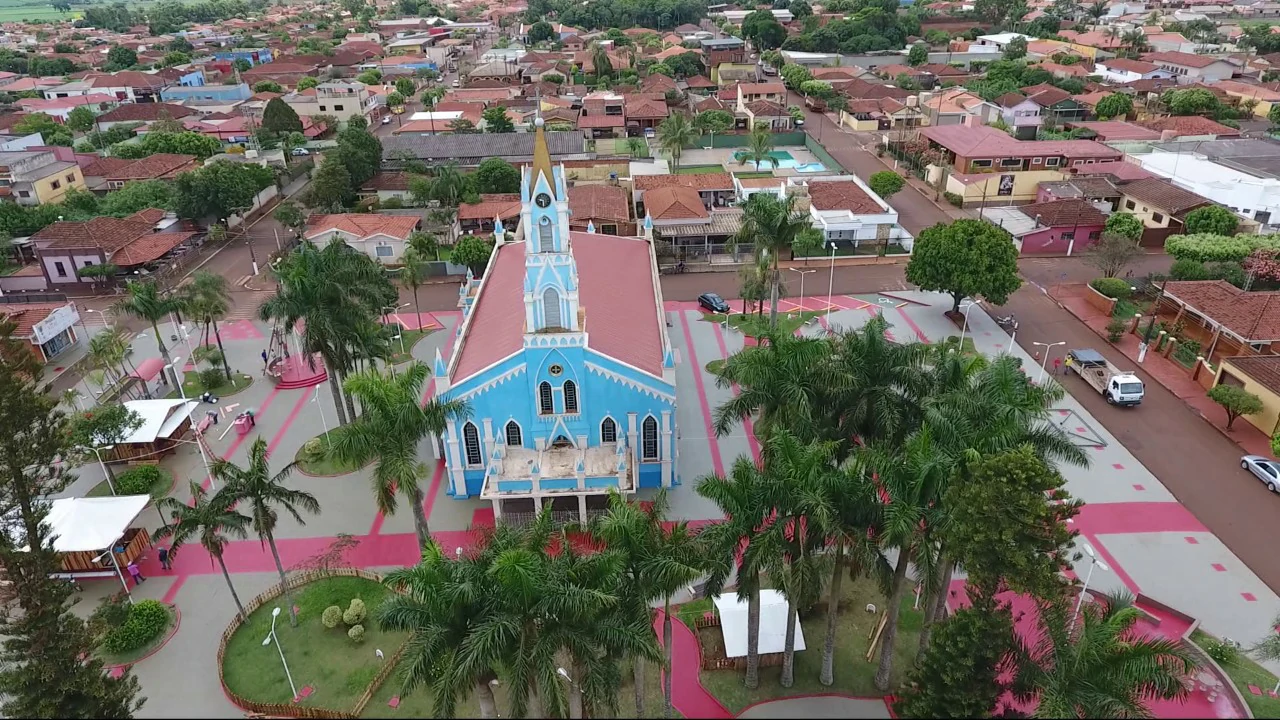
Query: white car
[(1266, 470), (299, 152), (456, 83), (649, 133), (386, 119)]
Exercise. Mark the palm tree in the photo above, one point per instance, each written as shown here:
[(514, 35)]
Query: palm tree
[(146, 301), (770, 225), (1097, 9), (746, 499), (107, 351), (636, 147), (208, 519), (882, 380), (659, 561), (673, 135), (784, 383), (449, 185), (208, 301), (413, 273), (759, 145), (1103, 667), (265, 493), (389, 431)]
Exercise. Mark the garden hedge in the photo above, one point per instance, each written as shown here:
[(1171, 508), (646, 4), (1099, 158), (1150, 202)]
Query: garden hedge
[(1114, 288), (1205, 247), (138, 480), (147, 620)]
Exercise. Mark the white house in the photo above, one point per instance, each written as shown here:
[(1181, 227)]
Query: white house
[(1000, 40), (381, 237), (1189, 68), (1124, 70), (1247, 194), (849, 213)]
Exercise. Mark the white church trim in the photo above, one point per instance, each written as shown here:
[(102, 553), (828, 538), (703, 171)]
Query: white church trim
[(628, 382), (493, 382)]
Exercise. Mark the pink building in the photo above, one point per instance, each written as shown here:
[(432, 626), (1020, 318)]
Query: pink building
[(1061, 227)]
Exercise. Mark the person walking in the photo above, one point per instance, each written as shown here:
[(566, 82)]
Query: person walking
[(265, 364), (1067, 368), (1057, 363), (136, 574), (164, 559)]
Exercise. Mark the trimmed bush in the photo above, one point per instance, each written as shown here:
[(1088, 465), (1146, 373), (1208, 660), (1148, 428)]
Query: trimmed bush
[(1188, 269), (1115, 329), (138, 480), (1217, 248), (355, 614), (954, 198), (211, 378), (1114, 288), (331, 616), (311, 449), (356, 633), (1232, 272), (147, 619)]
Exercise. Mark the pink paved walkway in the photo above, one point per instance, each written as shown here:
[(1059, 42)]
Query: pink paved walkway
[(687, 694)]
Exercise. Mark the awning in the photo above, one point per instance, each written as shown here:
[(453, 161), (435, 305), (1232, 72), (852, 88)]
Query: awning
[(773, 623), (86, 524), (160, 418)]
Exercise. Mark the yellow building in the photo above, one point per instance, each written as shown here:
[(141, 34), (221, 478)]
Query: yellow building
[(1263, 97), (36, 177), (1001, 188), (1260, 375)]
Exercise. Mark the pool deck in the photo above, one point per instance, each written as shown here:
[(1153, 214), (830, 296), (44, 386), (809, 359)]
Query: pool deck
[(726, 158)]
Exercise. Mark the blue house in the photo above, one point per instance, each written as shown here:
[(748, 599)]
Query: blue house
[(217, 93), (191, 78), (255, 56), (564, 359)]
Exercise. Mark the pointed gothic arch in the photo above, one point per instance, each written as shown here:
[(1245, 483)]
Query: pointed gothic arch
[(546, 235), (471, 444), (551, 308), (608, 431), (513, 435), (570, 397), (545, 405), (649, 439)]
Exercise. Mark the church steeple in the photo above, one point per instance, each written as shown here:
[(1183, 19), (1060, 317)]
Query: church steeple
[(551, 276), (541, 166)]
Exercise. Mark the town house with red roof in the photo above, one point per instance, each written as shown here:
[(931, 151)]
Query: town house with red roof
[(564, 359), (131, 243), (381, 237)]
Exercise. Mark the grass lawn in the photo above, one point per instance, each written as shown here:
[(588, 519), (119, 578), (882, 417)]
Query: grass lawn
[(327, 660), (161, 487), (322, 465), (192, 387), (411, 337), (700, 170), (756, 326), (419, 703), (853, 674), (135, 655), (1244, 672), (694, 610)]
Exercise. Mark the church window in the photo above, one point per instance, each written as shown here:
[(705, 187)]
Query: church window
[(649, 439), (608, 431), (471, 441), (546, 243), (551, 308), (544, 399), (570, 397), (513, 434)]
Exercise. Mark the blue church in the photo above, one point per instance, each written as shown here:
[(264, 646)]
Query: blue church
[(564, 358)]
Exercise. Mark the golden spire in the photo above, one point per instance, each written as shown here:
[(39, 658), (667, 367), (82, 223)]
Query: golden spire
[(541, 158)]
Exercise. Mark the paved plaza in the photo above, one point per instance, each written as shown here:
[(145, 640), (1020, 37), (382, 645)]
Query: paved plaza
[(1151, 543)]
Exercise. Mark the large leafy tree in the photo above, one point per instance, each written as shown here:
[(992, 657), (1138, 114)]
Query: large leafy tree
[(209, 520), (393, 424), (331, 188), (496, 120), (1213, 219), (965, 258), (80, 119), (220, 189), (120, 58), (279, 118), (266, 495), (473, 251), (1115, 105), (959, 675), (359, 150), (496, 175)]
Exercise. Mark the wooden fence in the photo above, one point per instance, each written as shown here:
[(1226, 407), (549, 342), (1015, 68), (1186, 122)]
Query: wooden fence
[(289, 709), (721, 662)]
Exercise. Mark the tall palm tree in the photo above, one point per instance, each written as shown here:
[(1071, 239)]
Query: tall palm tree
[(388, 432), (770, 225), (658, 562), (1100, 668), (449, 186), (673, 135), (209, 520), (266, 494), (745, 498), (784, 383), (146, 301), (209, 301), (759, 145), (882, 381), (108, 351), (1097, 9), (413, 274)]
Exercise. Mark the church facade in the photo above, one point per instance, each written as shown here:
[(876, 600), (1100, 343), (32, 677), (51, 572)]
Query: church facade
[(564, 359)]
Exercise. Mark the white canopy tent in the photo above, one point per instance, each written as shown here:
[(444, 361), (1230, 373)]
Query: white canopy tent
[(160, 418), (773, 623), (87, 524)]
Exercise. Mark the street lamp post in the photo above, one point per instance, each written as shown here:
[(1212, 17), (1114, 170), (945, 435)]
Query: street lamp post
[(831, 280), (116, 563), (203, 455), (1048, 347), (965, 325), (1093, 563), (315, 398), (802, 274), (98, 452), (267, 641)]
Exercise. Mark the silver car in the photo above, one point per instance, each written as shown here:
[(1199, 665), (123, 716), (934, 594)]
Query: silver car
[(1267, 470)]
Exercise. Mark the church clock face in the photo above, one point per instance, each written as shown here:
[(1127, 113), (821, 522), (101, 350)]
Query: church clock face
[(543, 200)]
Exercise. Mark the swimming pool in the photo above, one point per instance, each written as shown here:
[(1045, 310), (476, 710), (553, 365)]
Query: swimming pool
[(784, 159)]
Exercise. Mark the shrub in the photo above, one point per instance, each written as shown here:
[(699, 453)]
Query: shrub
[(1275, 444), (1222, 652), (147, 619), (356, 613), (392, 203), (1232, 272), (1236, 401), (211, 378), (954, 198), (331, 616), (356, 633), (1188, 269), (1217, 248), (138, 480), (1116, 328), (313, 449), (112, 612), (1186, 352), (1114, 288)]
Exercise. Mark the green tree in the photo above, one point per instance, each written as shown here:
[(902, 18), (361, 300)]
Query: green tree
[(783, 383), (101, 427), (795, 75), (763, 30), (759, 147), (1236, 401), (541, 32), (1193, 101), (1125, 224), (266, 496), (220, 189), (712, 122), (289, 215), (472, 251), (405, 86), (919, 55), (601, 63), (80, 119), (1015, 49), (886, 183), (395, 99), (208, 301), (209, 520), (462, 126), (496, 120), (965, 258), (413, 272), (279, 118), (1213, 219), (1102, 668), (359, 150), (267, 86), (49, 669), (958, 676), (306, 82), (331, 187), (393, 424), (674, 134), (175, 58), (241, 65), (1115, 105), (138, 195), (146, 301), (496, 175), (120, 58)]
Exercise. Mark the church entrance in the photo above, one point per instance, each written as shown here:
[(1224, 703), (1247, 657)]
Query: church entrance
[(561, 443)]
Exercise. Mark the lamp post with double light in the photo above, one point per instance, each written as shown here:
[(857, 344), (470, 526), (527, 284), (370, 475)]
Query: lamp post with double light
[(272, 637)]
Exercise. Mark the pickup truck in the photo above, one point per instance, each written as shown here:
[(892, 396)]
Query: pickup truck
[(1117, 386)]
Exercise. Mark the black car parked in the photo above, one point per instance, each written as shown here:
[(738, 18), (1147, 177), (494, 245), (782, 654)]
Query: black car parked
[(713, 303)]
